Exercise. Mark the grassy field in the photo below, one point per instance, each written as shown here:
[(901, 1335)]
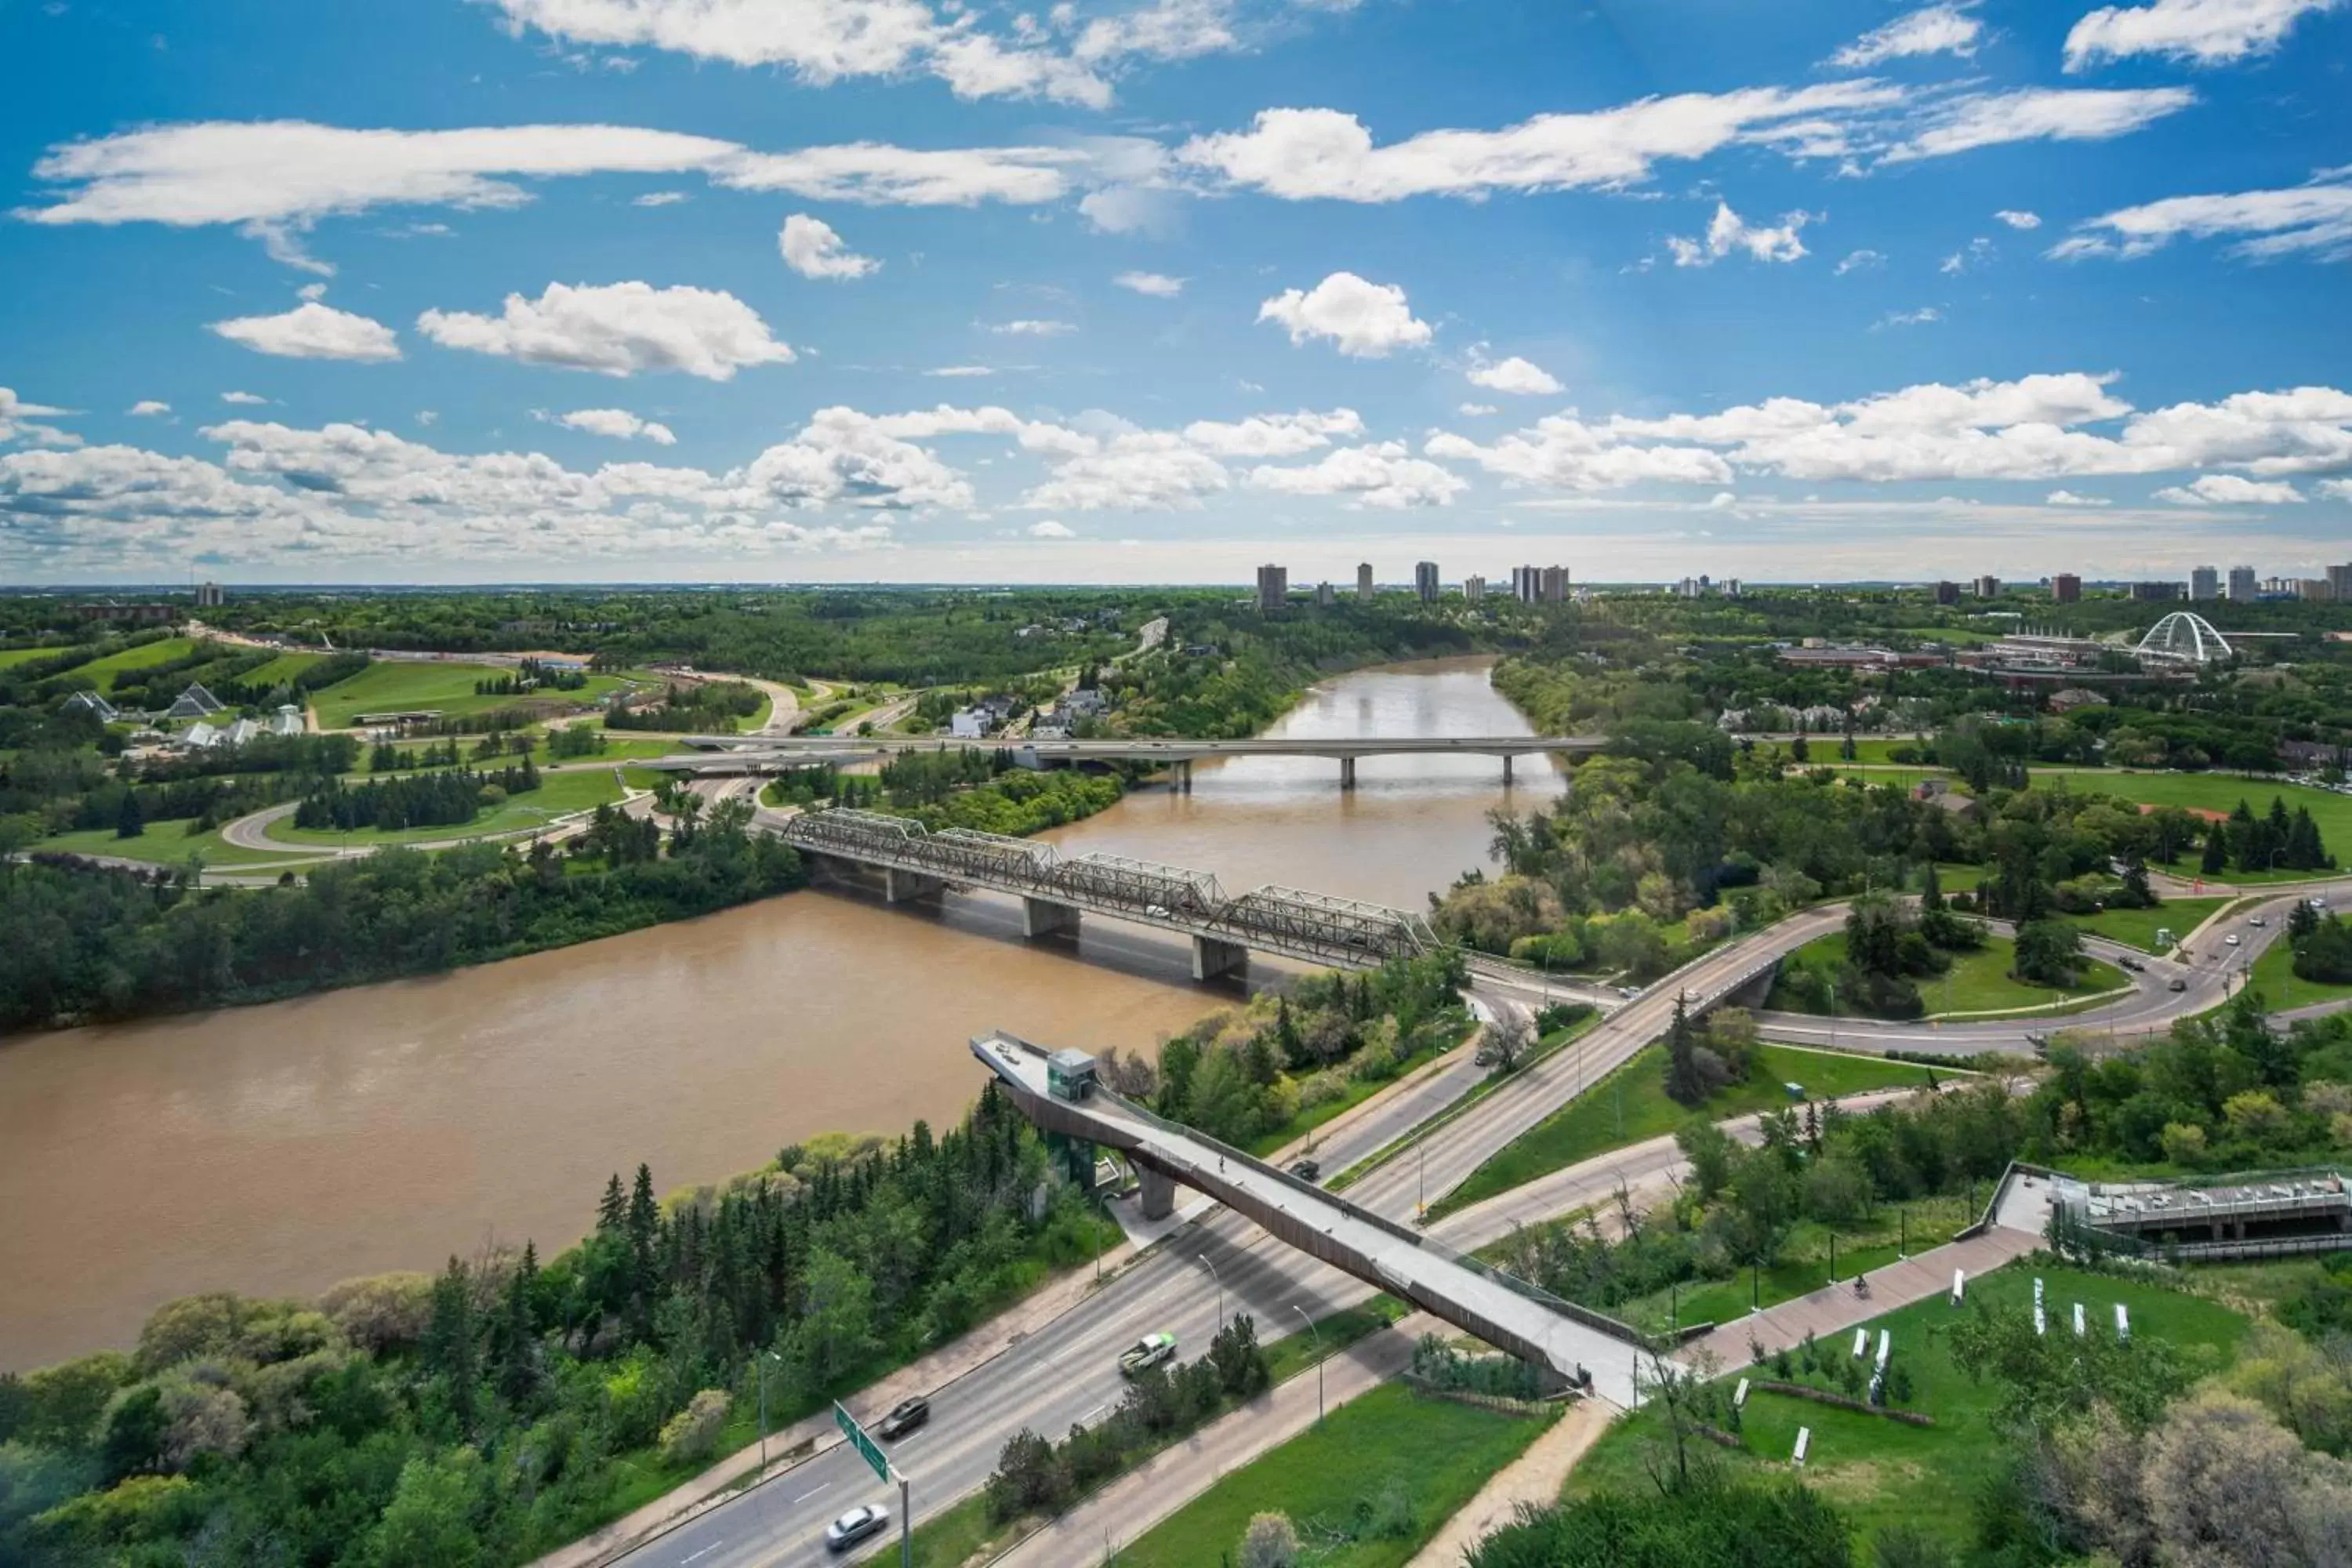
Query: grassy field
[(284, 668), (2274, 975), (1631, 1105), (102, 671), (447, 689), (12, 657), (165, 844), (2137, 928), (1882, 1472), (558, 795), (1977, 982), (1388, 1448), (2217, 792)]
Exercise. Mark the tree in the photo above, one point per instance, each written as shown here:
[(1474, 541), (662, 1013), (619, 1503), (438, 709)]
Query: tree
[(2049, 952), (1685, 1083), (1507, 1036), (429, 1521), (1270, 1542), (2216, 858), (129, 822)]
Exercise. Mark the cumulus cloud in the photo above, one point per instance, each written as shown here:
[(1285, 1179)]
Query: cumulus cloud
[(313, 331), (1477, 410), (1157, 285), (243, 397), (2038, 114), (2016, 218), (1385, 476), (2313, 220), (618, 329), (19, 422), (1945, 29), (1517, 376), (659, 199), (812, 250), (1729, 232), (1273, 434), (1362, 320), (1140, 470), (1049, 529), (1032, 329), (2335, 489), (618, 424), (2068, 497), (2194, 31), (146, 407), (2231, 490)]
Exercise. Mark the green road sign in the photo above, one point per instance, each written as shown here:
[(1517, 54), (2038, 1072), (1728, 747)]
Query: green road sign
[(861, 1442)]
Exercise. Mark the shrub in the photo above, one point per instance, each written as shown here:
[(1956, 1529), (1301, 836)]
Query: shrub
[(689, 1436), (1270, 1542)]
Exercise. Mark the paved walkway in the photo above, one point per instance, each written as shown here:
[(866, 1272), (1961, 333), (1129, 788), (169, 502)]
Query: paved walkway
[(1836, 1307), (1535, 1477)]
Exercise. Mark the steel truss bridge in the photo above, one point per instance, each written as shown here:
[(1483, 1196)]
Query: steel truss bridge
[(1316, 928)]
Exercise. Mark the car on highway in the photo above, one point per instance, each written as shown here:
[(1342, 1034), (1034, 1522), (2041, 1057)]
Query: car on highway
[(2134, 964), (2257, 921), (1146, 1354), (2176, 983), (904, 1417), (2231, 939), (859, 1524), (1306, 1170)]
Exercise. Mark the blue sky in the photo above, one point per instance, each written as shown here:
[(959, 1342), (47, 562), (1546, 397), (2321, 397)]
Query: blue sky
[(856, 289)]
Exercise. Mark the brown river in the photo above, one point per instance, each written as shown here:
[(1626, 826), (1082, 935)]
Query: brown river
[(276, 1149)]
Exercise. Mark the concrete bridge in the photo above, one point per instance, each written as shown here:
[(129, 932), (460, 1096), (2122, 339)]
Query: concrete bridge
[(1507, 1312), (915, 864), (779, 753)]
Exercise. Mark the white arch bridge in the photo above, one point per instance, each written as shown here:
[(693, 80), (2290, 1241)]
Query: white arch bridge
[(2184, 636), (1316, 928)]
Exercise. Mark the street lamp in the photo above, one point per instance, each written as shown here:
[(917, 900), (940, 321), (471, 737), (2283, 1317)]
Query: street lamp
[(1318, 1358), (1221, 1291), (764, 1358)]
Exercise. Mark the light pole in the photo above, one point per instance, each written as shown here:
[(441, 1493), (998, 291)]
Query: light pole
[(1221, 1291), (765, 1357), (1318, 1358), (1833, 988)]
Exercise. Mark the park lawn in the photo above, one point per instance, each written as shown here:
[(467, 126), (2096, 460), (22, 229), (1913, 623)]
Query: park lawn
[(2273, 977), (1630, 1106), (1978, 983), (1299, 1350), (2221, 791), (1436, 1452), (1877, 748), (281, 670), (102, 671), (2137, 928), (389, 687), (165, 843), (12, 657), (1882, 1472), (558, 795)]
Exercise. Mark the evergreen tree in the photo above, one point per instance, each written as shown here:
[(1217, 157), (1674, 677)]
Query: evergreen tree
[(1684, 1084), (1931, 892), (613, 1210), (2216, 859), (129, 822)]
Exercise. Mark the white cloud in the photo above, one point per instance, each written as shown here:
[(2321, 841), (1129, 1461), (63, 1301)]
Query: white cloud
[(2016, 218), (147, 407), (618, 424), (812, 250), (2068, 497), (2314, 219), (952, 372), (1273, 434), (2335, 489), (1159, 284), (17, 422), (2195, 32), (660, 199), (874, 173), (1729, 232), (1144, 470), (1384, 476), (2039, 114), (1923, 316), (243, 397), (1855, 260), (1363, 319), (1945, 29), (2230, 490), (1976, 253), (1477, 410), (1032, 329), (1049, 529), (1303, 154), (847, 456), (618, 328), (1517, 376), (313, 331)]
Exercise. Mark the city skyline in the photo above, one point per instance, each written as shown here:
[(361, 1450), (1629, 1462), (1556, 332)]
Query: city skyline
[(681, 290)]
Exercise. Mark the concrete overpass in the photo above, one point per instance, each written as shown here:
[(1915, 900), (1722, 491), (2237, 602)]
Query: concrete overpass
[(782, 752), (1507, 1312)]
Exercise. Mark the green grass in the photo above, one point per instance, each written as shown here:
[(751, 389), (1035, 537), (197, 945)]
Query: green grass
[(2219, 791), (2137, 928), (557, 795), (2274, 975), (1977, 982), (1630, 1106), (284, 668), (12, 657), (163, 844), (447, 689), (961, 1535), (102, 671), (1435, 1452), (1358, 1090), (1298, 1351), (1882, 1472)]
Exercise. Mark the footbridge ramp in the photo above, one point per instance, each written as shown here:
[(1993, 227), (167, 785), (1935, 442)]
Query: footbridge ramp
[(1507, 1312)]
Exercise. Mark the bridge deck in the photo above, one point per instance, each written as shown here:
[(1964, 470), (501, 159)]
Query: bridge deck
[(1168, 748), (1506, 1313)]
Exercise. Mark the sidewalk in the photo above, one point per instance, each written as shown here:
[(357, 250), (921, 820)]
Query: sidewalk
[(1836, 1307), (1536, 1478), (1123, 1510)]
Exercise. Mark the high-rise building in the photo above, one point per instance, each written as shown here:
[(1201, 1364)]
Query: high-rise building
[(2204, 583), (1948, 592), (1988, 587), (1325, 595), (208, 595), (1424, 581), (2147, 591), (2315, 588), (2340, 579), (2244, 585), (2066, 588), (1551, 584), (1473, 589), (1272, 589), (1364, 589)]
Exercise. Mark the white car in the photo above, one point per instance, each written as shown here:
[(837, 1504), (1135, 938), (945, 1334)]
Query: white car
[(854, 1526), (2231, 939)]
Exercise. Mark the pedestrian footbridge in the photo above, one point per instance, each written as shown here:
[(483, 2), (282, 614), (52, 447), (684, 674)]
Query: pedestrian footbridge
[(1057, 1093)]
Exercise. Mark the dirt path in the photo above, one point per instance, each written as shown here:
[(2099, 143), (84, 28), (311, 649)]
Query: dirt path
[(1535, 1476)]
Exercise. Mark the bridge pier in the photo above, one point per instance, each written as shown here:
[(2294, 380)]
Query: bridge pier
[(1346, 772), (1184, 777), (905, 887), (1211, 958), (1507, 761), (1159, 1193), (1041, 916)]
